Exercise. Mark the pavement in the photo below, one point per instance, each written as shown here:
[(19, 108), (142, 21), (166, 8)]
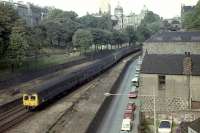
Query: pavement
[(112, 120)]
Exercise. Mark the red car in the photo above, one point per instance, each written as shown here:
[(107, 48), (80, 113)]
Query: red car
[(129, 114), (133, 94), (131, 106)]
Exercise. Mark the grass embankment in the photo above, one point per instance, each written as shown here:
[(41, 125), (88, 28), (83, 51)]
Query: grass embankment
[(42, 62)]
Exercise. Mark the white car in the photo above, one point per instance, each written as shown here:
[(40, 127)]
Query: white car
[(165, 126), (126, 125), (135, 81)]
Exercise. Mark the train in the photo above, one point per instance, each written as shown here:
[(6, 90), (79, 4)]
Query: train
[(37, 95)]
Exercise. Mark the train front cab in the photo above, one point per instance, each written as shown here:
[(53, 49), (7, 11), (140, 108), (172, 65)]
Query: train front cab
[(30, 101)]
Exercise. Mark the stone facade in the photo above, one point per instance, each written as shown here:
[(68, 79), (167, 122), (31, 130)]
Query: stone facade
[(173, 97), (171, 47), (128, 20), (30, 13)]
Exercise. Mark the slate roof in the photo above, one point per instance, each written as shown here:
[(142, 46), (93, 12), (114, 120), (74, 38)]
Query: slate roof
[(195, 125), (168, 64), (175, 37)]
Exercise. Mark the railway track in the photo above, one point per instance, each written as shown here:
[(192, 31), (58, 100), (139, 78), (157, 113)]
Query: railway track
[(13, 117), (13, 113)]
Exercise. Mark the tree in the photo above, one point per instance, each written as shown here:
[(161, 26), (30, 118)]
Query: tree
[(103, 22), (37, 39), (149, 26), (119, 37), (18, 44), (131, 33), (192, 18), (60, 27), (82, 39), (8, 17)]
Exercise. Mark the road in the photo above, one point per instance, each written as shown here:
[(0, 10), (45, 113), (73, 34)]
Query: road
[(112, 120)]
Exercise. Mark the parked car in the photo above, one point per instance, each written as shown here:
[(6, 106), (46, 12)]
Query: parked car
[(133, 94), (138, 69), (165, 126), (135, 81), (126, 125), (124, 132), (131, 106), (129, 114)]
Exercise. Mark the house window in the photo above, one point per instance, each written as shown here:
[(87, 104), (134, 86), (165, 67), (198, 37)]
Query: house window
[(161, 81)]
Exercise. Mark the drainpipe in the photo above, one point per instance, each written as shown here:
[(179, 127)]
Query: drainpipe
[(187, 70)]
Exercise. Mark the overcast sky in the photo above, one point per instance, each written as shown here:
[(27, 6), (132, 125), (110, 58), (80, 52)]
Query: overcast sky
[(165, 8)]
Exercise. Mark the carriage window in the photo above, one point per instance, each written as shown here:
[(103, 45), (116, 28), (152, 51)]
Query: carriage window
[(25, 97), (32, 97)]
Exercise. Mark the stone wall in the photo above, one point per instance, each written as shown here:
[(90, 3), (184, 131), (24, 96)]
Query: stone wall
[(175, 95), (171, 47), (177, 117)]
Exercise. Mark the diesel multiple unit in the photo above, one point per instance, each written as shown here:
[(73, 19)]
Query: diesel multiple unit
[(35, 96)]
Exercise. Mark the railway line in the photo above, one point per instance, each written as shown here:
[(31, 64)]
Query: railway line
[(12, 117), (13, 113)]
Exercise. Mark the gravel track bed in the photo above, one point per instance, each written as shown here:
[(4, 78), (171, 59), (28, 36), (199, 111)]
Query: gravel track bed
[(73, 113)]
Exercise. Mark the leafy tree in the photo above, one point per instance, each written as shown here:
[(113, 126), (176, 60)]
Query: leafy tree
[(131, 33), (37, 39), (119, 37), (82, 39), (103, 22), (60, 27), (18, 44), (192, 18), (149, 26), (8, 17)]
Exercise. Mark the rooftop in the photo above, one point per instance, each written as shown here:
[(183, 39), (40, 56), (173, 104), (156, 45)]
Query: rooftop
[(175, 37), (168, 64)]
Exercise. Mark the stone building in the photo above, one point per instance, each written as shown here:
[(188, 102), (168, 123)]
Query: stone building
[(128, 20), (30, 13), (173, 78), (173, 43)]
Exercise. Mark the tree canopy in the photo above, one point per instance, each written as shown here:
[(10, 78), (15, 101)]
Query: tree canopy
[(8, 17), (192, 18), (149, 26), (82, 39)]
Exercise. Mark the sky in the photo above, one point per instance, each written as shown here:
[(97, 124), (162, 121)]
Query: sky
[(165, 8)]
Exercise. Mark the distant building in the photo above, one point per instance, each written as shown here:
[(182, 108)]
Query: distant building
[(128, 20), (185, 9), (119, 14), (173, 43), (105, 7), (190, 127), (173, 78), (32, 14)]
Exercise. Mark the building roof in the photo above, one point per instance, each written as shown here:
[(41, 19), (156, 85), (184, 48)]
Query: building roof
[(194, 125), (187, 8), (175, 37), (168, 64)]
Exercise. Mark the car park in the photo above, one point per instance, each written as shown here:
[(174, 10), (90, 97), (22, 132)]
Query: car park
[(165, 126)]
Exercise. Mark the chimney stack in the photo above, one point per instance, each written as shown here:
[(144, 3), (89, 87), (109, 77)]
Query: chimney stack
[(187, 64)]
